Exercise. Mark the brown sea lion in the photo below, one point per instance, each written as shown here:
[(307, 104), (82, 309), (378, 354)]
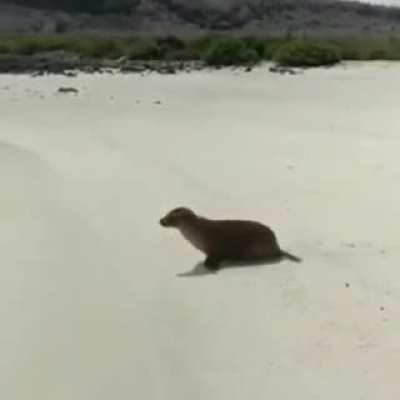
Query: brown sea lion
[(226, 240)]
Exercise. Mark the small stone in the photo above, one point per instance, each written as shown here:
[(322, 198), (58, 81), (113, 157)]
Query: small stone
[(347, 285), (37, 74), (66, 90), (70, 74), (134, 67)]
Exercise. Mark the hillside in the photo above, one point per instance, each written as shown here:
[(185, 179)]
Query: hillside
[(278, 17)]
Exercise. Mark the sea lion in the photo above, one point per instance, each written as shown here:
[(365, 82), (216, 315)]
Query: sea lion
[(226, 240)]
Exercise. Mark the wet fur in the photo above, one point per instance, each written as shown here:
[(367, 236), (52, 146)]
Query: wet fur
[(226, 240)]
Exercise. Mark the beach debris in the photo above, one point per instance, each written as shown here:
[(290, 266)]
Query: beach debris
[(37, 74), (348, 244), (68, 89), (133, 67), (70, 74), (168, 69), (283, 70)]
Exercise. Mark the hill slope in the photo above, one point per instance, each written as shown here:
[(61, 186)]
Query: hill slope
[(175, 16)]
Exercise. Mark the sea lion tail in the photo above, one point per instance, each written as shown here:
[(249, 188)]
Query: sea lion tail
[(291, 257)]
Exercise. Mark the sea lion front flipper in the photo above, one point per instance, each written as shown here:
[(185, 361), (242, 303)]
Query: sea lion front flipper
[(212, 263)]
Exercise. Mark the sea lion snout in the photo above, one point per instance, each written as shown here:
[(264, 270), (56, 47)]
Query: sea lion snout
[(162, 222), (176, 217)]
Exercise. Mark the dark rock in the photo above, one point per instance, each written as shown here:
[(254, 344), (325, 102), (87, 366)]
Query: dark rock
[(89, 69), (134, 67), (70, 74), (282, 70), (66, 90), (166, 70), (50, 62), (115, 64), (37, 74)]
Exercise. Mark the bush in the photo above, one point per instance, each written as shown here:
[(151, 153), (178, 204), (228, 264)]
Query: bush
[(256, 44), (352, 48), (97, 48), (378, 54), (4, 48), (230, 52), (26, 46), (171, 43), (35, 44), (306, 54), (213, 49), (271, 47), (145, 51)]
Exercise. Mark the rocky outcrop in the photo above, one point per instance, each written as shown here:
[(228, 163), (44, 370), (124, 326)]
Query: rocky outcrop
[(183, 17)]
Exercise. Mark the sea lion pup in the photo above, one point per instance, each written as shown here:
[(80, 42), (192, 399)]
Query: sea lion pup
[(226, 240)]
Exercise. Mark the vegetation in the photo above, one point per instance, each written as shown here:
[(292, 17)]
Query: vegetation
[(212, 49), (356, 48), (301, 53), (232, 52)]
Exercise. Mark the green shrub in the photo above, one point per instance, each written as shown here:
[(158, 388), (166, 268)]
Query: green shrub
[(203, 43), (257, 44), (272, 46), (351, 48), (145, 51), (97, 48), (4, 48), (30, 45), (230, 52), (171, 43), (213, 49), (307, 54), (378, 54), (26, 46)]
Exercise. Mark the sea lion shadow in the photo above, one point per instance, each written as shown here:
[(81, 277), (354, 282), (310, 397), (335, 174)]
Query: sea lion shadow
[(200, 270)]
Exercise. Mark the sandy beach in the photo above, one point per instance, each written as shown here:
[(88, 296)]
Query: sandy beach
[(97, 302)]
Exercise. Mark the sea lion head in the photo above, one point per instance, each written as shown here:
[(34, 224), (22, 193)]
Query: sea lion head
[(177, 217)]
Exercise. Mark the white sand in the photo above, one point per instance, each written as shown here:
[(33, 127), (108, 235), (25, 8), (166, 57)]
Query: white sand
[(90, 302)]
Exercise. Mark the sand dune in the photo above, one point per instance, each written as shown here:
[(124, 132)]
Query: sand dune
[(98, 302)]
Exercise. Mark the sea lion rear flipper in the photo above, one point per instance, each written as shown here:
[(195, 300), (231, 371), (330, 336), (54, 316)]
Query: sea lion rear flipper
[(291, 257)]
